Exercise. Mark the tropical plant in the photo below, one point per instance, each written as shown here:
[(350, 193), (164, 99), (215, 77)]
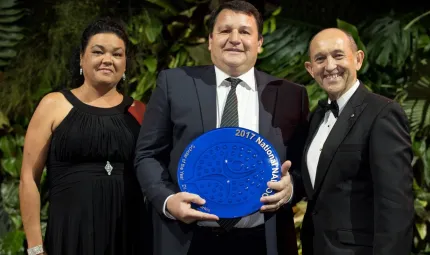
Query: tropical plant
[(11, 32), (181, 41), (400, 47), (167, 34)]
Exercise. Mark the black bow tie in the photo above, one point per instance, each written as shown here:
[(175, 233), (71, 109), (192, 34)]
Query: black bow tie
[(333, 107)]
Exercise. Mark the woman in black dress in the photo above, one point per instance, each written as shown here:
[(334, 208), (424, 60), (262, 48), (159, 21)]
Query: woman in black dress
[(86, 139)]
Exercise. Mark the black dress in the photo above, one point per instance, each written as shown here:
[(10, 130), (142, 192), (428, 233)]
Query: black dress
[(95, 204)]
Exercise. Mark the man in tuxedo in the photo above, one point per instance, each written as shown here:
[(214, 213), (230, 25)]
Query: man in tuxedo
[(189, 101), (357, 160)]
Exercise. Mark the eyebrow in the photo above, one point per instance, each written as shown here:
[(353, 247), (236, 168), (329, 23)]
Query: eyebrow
[(338, 51), (101, 46), (319, 54), (229, 26)]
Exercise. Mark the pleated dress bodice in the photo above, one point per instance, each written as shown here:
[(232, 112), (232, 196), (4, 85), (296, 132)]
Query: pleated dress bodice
[(95, 203)]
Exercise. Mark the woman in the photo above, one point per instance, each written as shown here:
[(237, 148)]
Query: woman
[(86, 138)]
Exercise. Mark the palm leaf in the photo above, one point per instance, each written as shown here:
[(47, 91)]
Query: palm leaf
[(416, 19), (388, 43), (422, 155), (10, 14), (417, 105), (7, 4), (285, 51), (354, 33)]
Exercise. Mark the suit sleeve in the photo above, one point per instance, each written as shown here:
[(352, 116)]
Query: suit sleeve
[(296, 147), (390, 163), (153, 147)]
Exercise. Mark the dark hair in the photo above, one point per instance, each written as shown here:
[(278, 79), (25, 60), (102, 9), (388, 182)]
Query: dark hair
[(237, 6), (102, 25)]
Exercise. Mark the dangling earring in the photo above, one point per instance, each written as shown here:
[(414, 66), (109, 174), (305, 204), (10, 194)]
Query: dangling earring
[(123, 76), (80, 71)]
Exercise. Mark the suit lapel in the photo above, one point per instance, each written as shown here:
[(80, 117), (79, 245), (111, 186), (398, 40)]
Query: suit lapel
[(343, 125), (266, 99), (315, 121), (264, 115), (206, 92)]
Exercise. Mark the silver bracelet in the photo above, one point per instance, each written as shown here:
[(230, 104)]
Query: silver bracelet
[(36, 250)]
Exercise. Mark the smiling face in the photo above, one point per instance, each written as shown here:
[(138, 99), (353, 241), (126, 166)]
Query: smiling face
[(234, 43), (104, 59), (334, 63)]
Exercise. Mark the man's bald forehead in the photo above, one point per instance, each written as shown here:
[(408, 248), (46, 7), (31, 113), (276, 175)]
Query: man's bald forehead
[(352, 42)]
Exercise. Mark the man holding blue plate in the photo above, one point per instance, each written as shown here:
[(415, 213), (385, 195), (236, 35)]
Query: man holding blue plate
[(191, 101)]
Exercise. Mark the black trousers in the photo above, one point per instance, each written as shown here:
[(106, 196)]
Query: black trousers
[(217, 241)]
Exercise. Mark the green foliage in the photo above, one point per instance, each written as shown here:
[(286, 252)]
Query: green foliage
[(10, 30), (393, 44), (46, 54), (12, 243), (354, 32), (285, 50), (10, 166), (181, 41), (415, 98), (416, 105), (167, 34)]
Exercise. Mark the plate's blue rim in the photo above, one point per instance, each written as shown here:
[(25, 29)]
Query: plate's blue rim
[(217, 129), (275, 153)]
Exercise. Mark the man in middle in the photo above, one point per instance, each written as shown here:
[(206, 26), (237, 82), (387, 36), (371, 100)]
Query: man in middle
[(190, 101)]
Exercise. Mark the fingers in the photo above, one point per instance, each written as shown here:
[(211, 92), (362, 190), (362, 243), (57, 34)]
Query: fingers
[(274, 202), (186, 213), (280, 185), (271, 207), (275, 198), (285, 167), (197, 215), (282, 191), (192, 198)]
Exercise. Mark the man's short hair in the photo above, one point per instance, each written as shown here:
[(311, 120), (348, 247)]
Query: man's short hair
[(237, 6)]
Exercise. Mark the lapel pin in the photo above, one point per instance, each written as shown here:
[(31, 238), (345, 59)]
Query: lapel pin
[(352, 115)]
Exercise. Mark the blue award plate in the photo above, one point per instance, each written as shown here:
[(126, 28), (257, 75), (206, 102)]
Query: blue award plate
[(229, 168)]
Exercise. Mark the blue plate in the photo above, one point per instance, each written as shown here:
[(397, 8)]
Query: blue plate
[(229, 168)]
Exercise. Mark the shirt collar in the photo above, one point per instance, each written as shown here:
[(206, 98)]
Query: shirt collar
[(341, 102), (248, 78)]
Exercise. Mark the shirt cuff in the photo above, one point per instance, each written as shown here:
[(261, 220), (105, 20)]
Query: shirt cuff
[(165, 212)]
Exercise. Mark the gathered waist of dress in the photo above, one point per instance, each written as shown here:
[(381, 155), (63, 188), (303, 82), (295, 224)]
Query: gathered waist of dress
[(62, 174)]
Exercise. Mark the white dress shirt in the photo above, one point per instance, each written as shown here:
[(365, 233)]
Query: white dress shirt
[(247, 108), (324, 129)]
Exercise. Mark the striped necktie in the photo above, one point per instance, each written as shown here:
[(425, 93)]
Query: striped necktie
[(230, 118)]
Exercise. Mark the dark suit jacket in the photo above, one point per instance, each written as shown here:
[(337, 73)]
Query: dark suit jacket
[(181, 108), (362, 201)]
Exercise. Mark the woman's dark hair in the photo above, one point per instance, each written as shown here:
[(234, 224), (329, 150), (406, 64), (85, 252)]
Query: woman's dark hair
[(102, 25)]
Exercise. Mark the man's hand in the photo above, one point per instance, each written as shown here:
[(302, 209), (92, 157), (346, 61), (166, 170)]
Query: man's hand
[(283, 190), (179, 206)]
